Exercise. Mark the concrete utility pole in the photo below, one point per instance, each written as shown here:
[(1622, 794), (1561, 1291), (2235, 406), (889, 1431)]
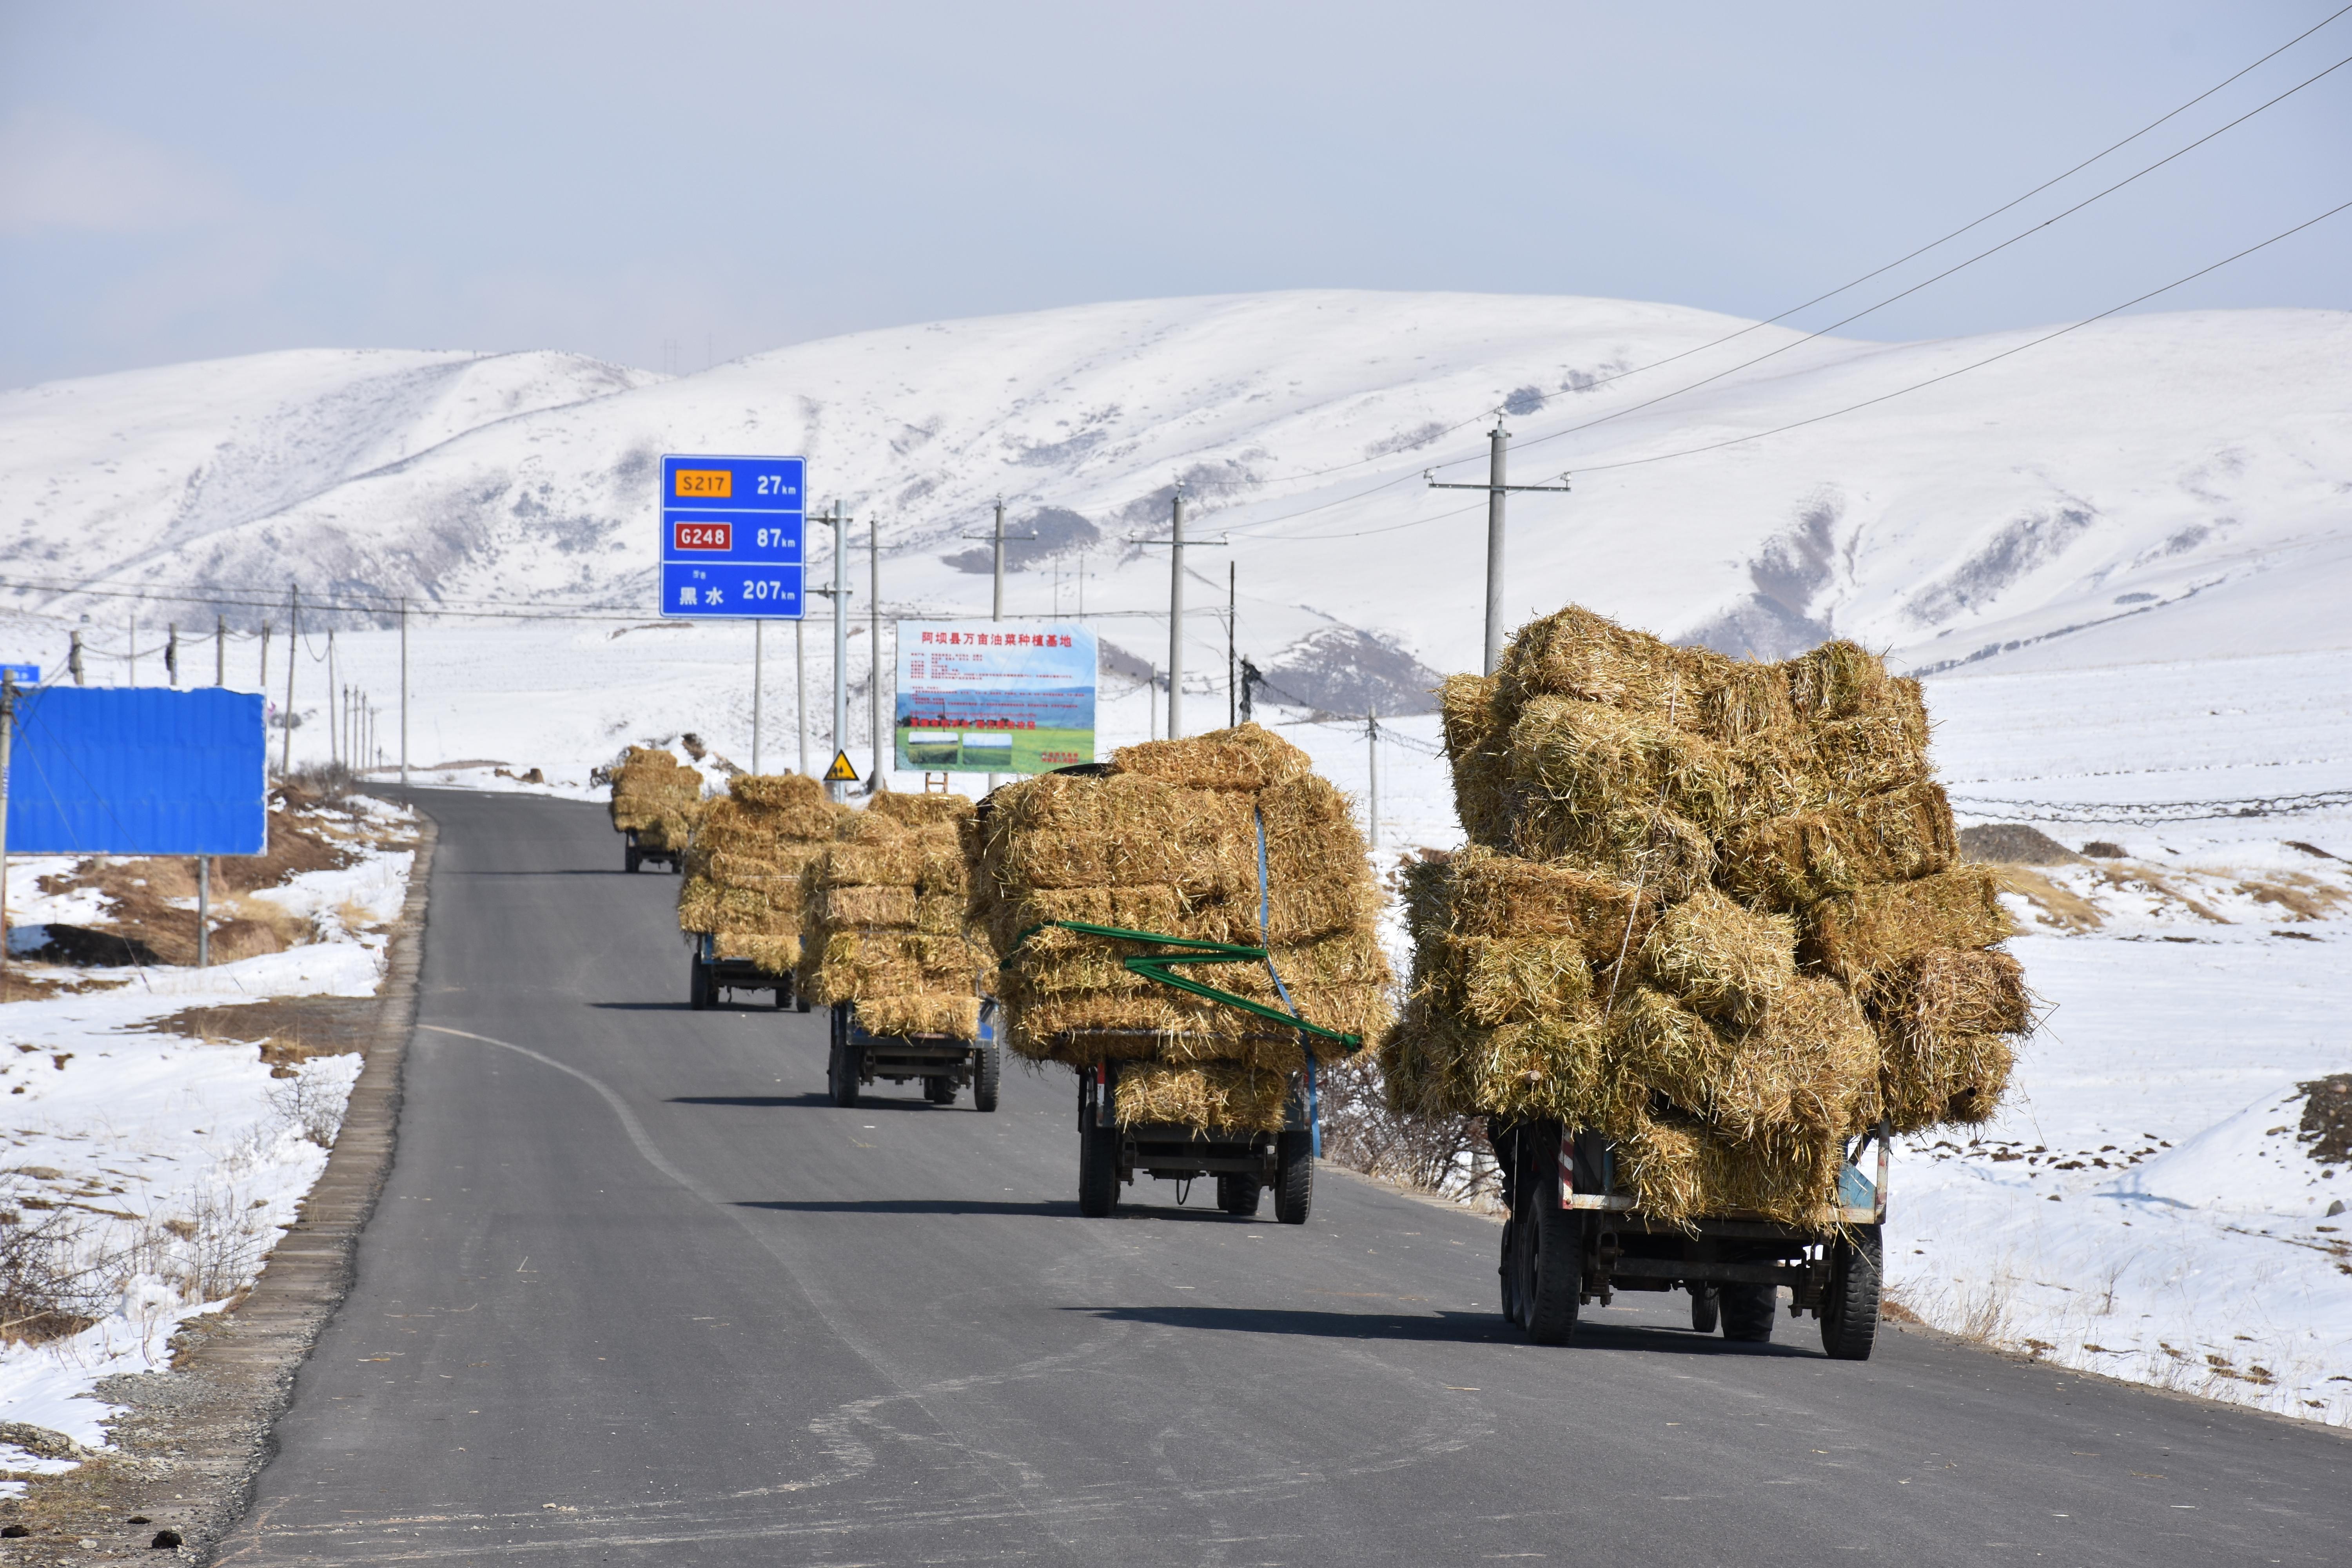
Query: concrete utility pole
[(268, 631), (293, 646), (220, 650), (1232, 576), (1495, 487), (403, 688), (996, 600), (1176, 615), (132, 677), (171, 655), (1373, 756), (73, 659), (338, 750), (874, 631), (840, 639)]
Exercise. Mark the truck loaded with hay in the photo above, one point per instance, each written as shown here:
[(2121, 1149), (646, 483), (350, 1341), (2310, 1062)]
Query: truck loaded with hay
[(655, 804), (885, 947), (1708, 943), (741, 906), (1224, 854)]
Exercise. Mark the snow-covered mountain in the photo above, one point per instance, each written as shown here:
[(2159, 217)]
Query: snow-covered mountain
[(2159, 486)]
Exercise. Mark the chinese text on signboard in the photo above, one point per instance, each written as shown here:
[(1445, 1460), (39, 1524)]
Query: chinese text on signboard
[(1002, 697)]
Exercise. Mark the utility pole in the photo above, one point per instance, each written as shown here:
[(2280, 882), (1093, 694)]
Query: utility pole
[(220, 650), (293, 647), (132, 678), (171, 655), (759, 630), (1232, 576), (267, 632), (73, 659), (403, 688), (1499, 440), (840, 596), (1373, 754), (1176, 614), (874, 632), (338, 746)]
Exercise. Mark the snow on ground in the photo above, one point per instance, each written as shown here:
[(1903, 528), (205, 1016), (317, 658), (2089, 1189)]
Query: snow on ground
[(178, 1162)]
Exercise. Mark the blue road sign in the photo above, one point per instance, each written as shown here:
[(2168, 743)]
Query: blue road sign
[(733, 536), (26, 676), (139, 771)]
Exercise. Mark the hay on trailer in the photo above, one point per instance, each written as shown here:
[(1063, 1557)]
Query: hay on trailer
[(1791, 861), (1946, 1018), (1577, 653), (746, 866), (1478, 744), (1856, 936), (1581, 760), (652, 792), (886, 921), (1719, 960), (1220, 1095), (1678, 1170), (1167, 842)]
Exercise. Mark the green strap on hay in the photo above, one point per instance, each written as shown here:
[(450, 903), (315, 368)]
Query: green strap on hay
[(1155, 966)]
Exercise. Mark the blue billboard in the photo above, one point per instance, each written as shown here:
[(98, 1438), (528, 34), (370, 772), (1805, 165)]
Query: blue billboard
[(733, 536), (137, 771)]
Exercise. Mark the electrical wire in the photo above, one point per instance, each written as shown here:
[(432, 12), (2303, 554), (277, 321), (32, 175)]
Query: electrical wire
[(1876, 271)]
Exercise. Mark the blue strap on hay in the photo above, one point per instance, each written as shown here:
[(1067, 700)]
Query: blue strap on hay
[(1265, 940)]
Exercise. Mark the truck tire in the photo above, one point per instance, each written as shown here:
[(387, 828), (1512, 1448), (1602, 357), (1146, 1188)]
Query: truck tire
[(1294, 1180), (840, 1069), (1704, 1305), (630, 858), (783, 994), (1749, 1311), (987, 1077), (1238, 1194), (1850, 1305), (939, 1091), (1097, 1171), (1553, 1284), (698, 986)]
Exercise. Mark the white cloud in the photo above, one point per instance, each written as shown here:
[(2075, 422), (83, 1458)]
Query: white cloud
[(61, 171)]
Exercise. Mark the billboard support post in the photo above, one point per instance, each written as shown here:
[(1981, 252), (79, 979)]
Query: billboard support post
[(403, 688), (800, 687), (204, 911), (758, 653), (7, 733)]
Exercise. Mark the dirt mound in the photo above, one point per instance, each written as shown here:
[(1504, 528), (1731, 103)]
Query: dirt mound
[(2327, 1129), (2013, 844)]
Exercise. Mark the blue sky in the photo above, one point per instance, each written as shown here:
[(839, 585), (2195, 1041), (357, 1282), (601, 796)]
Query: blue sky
[(186, 181)]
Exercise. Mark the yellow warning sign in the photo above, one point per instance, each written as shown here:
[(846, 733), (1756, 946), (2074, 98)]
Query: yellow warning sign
[(841, 772)]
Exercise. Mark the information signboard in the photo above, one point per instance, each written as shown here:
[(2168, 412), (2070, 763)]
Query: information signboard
[(138, 771), (994, 696), (733, 537)]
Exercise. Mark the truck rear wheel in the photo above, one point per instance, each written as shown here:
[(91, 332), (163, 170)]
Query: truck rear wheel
[(1097, 1171), (1294, 1181), (939, 1091), (1850, 1305), (698, 986), (1703, 1309), (987, 1075), (1238, 1194), (1747, 1312), (630, 858)]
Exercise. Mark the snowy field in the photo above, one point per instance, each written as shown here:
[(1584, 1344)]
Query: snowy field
[(174, 1162)]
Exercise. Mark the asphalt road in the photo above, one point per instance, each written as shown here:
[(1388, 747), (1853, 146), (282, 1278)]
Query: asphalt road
[(637, 1293)]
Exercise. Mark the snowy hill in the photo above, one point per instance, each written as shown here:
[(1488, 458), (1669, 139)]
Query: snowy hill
[(2152, 486)]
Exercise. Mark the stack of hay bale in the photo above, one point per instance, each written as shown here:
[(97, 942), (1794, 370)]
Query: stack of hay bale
[(1165, 840), (884, 925), (745, 868), (655, 798), (1710, 908)]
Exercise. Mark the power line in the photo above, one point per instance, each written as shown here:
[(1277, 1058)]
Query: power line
[(1856, 282)]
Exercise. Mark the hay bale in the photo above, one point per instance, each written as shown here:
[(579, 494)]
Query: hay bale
[(1167, 842), (1478, 743), (747, 864), (1856, 936), (1678, 1170), (652, 792), (1720, 961), (1220, 1095), (1582, 760), (885, 925), (1945, 1019)]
